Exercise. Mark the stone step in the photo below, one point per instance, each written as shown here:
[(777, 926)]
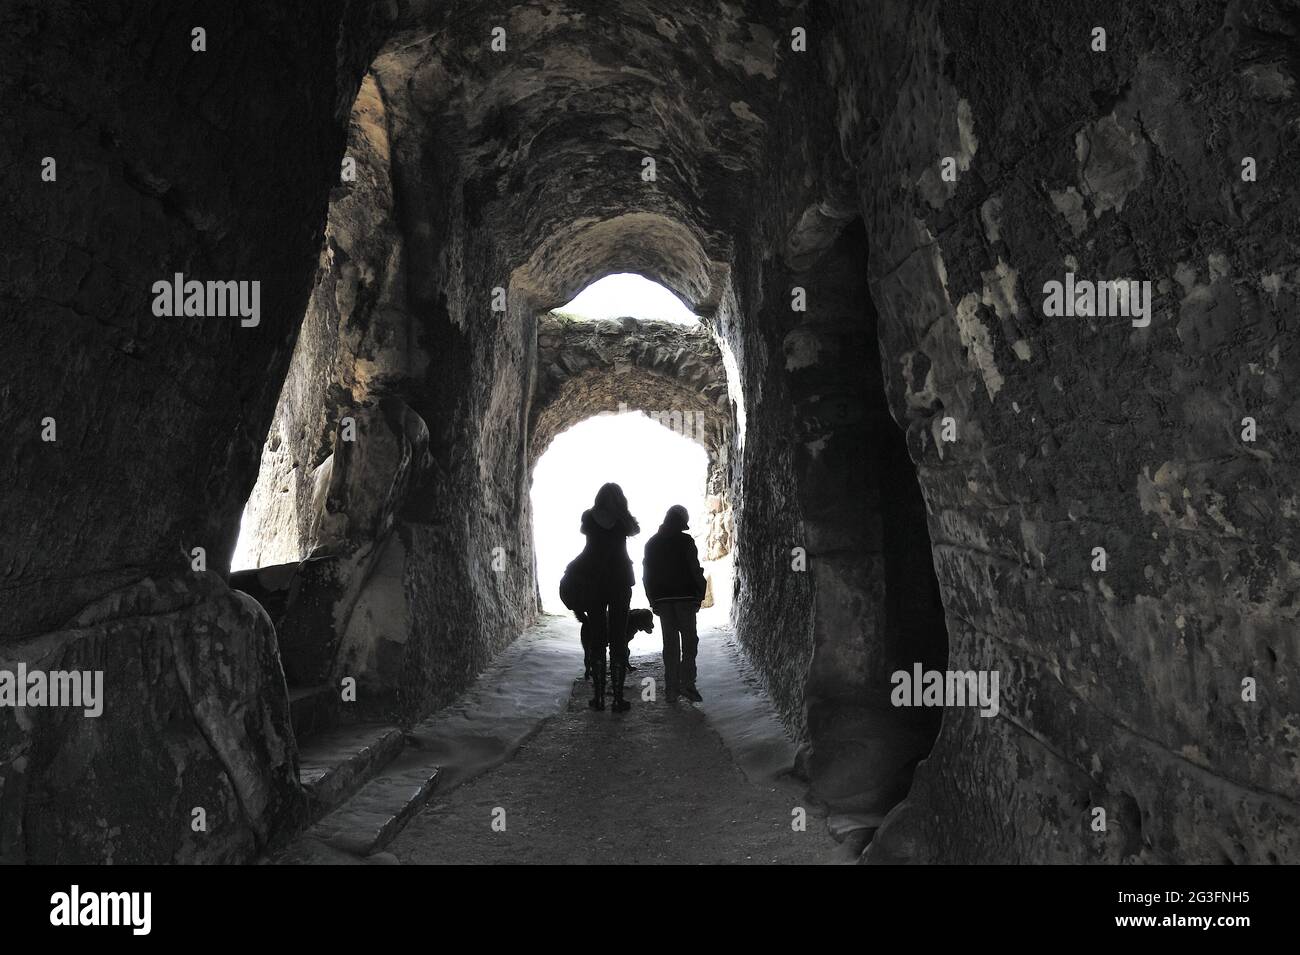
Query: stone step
[(337, 762), (841, 825), (853, 831), (269, 586), (370, 820), (313, 709)]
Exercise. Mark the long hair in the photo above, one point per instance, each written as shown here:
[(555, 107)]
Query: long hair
[(610, 498), (612, 503)]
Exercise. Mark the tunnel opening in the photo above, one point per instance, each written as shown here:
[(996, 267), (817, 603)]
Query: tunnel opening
[(628, 361), (657, 467), (627, 295)]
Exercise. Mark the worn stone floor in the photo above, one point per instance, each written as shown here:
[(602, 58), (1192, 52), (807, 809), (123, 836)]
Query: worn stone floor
[(528, 773), (657, 784)]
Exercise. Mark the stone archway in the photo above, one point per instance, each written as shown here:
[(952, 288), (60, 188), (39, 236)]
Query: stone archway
[(674, 374), (670, 372), (490, 185)]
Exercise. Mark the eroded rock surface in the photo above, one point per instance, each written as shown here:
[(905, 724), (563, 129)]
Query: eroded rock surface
[(194, 725), (913, 463), (1121, 689)]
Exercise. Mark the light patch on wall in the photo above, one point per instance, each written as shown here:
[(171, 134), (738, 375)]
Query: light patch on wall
[(1000, 290), (1219, 266), (1113, 162), (965, 135), (665, 27), (979, 346), (935, 187), (802, 349), (1069, 203), (991, 216), (734, 388), (919, 394)]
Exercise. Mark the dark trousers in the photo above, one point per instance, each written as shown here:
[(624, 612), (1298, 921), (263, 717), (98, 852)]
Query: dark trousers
[(677, 622), (606, 626)]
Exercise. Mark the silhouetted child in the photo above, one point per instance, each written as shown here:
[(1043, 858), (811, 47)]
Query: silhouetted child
[(674, 582)]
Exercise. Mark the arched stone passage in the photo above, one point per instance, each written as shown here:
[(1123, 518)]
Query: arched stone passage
[(491, 184), (675, 372), (660, 248), (657, 467), (670, 372)]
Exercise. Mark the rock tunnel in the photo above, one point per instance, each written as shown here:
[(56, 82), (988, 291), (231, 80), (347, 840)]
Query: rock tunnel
[(924, 468)]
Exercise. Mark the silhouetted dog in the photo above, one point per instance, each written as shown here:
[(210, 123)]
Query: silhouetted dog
[(637, 620)]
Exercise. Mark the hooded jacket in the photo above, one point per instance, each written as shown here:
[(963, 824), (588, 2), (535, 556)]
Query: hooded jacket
[(604, 561), (671, 569)]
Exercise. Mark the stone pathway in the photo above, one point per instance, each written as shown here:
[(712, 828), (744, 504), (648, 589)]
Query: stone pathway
[(529, 774)]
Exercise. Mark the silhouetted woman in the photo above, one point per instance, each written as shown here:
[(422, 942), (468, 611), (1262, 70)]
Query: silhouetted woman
[(608, 572)]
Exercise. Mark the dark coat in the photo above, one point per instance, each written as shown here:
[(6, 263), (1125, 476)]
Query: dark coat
[(671, 570), (603, 570)]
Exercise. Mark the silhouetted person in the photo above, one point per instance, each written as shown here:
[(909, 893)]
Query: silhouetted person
[(606, 570), (674, 582)]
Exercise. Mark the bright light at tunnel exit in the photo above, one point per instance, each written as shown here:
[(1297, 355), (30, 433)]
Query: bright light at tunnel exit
[(625, 294), (656, 469)]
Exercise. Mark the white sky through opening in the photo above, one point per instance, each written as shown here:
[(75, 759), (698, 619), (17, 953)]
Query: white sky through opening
[(625, 294), (656, 469), (244, 558)]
